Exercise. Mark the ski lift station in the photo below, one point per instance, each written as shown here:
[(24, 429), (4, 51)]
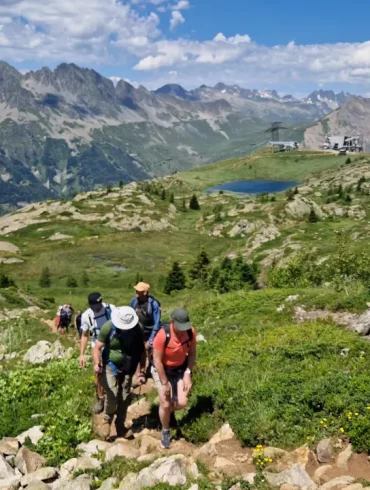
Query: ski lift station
[(284, 145), (349, 143)]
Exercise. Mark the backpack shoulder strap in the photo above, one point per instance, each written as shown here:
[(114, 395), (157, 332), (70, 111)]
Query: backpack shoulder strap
[(108, 312), (167, 329), (191, 335), (113, 333)]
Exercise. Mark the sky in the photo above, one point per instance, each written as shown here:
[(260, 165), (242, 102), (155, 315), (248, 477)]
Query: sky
[(291, 46)]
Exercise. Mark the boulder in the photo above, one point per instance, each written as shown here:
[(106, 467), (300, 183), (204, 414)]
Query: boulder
[(6, 471), (10, 483), (224, 434), (148, 444), (9, 446), (301, 207), (288, 486), (38, 485), (220, 463), (296, 475), (355, 486), (325, 451), (361, 325), (208, 449), (82, 482), (92, 447), (44, 474), (338, 483), (173, 470), (35, 434), (319, 475), (122, 449), (39, 353), (344, 457), (28, 461), (109, 484), (249, 477)]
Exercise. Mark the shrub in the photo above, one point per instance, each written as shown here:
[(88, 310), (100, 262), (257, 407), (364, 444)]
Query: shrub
[(194, 204), (85, 279), (313, 218), (45, 278), (71, 282), (175, 280), (5, 281)]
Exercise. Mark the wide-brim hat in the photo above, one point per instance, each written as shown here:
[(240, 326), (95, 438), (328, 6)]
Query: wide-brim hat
[(124, 318)]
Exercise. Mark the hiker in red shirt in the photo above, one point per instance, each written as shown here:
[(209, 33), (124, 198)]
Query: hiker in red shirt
[(174, 353)]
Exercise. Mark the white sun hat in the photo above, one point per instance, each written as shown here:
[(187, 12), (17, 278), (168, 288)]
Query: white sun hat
[(124, 318)]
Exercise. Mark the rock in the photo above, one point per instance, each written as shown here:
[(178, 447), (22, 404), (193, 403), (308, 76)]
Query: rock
[(28, 461), (35, 434), (82, 482), (59, 236), (344, 457), (44, 474), (274, 452), (147, 458), (39, 353), (200, 338), (319, 475), (93, 447), (11, 483), (296, 475), (109, 484), (325, 451), (266, 234), (173, 470), (148, 444), (288, 486), (362, 324), (208, 449), (194, 487), (245, 227), (86, 463), (68, 468), (6, 471), (9, 446), (224, 434), (292, 298), (338, 483), (249, 477), (222, 463), (354, 486), (122, 449), (301, 207), (38, 485)]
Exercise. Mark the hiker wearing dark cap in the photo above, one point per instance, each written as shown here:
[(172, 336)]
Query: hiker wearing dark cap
[(174, 356), (148, 310), (92, 321), (117, 353)]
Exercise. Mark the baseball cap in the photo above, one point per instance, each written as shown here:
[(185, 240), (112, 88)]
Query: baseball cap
[(181, 319), (95, 299), (142, 287)]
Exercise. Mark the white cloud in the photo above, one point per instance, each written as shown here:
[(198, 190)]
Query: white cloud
[(115, 80), (181, 5), (176, 19)]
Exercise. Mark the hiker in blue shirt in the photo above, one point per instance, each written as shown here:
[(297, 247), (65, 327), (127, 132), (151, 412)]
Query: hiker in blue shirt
[(148, 309)]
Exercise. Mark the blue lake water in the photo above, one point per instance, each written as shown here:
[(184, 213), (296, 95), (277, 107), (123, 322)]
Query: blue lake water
[(254, 186)]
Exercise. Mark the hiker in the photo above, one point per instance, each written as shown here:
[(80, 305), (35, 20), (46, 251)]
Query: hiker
[(148, 310), (92, 321), (65, 315), (174, 353), (124, 349), (77, 322)]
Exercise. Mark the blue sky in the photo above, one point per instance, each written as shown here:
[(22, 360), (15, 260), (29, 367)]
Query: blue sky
[(292, 46)]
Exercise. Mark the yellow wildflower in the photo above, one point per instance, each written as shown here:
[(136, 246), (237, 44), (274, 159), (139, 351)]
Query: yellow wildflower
[(341, 430)]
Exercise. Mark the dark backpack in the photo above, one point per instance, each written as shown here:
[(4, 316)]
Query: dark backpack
[(65, 315), (151, 300), (166, 327)]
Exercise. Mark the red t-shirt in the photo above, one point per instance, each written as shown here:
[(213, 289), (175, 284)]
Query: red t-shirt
[(174, 355)]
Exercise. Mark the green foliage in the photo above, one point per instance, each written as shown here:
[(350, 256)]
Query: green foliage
[(120, 185), (183, 206), (217, 212), (62, 392), (313, 218), (85, 279), (194, 204), (290, 195), (71, 282), (348, 161), (45, 278), (172, 198), (200, 269), (5, 281), (163, 195), (175, 280), (109, 189)]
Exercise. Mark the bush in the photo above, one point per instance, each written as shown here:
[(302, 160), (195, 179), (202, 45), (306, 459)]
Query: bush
[(84, 279), (5, 281), (313, 218), (175, 280), (71, 282), (194, 204), (45, 278)]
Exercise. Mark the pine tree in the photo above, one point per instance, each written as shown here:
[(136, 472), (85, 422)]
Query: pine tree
[(217, 211), (290, 195), (5, 281), (163, 195), (172, 198), (71, 282), (296, 191), (200, 268), (45, 278), (227, 264), (175, 280), (120, 185), (313, 218), (85, 279), (194, 204), (109, 189), (348, 161)]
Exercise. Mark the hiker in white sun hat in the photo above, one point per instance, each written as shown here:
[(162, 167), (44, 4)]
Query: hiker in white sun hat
[(123, 344)]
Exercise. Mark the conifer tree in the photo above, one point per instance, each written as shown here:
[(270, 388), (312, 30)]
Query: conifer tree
[(163, 195), (200, 268), (120, 185), (194, 204), (313, 218), (71, 282), (183, 206), (175, 280), (85, 279), (172, 198), (45, 278)]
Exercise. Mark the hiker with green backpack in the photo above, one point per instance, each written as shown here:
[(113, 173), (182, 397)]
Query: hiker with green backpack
[(174, 349), (117, 353)]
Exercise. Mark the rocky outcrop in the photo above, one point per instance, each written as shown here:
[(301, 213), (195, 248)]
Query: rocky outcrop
[(44, 351), (301, 207)]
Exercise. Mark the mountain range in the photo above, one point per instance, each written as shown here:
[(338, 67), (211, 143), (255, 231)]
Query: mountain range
[(72, 129)]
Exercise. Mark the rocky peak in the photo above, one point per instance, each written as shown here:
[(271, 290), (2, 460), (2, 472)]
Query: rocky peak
[(176, 91)]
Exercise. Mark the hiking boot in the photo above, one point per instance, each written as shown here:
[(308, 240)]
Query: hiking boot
[(105, 430), (166, 439), (99, 406)]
